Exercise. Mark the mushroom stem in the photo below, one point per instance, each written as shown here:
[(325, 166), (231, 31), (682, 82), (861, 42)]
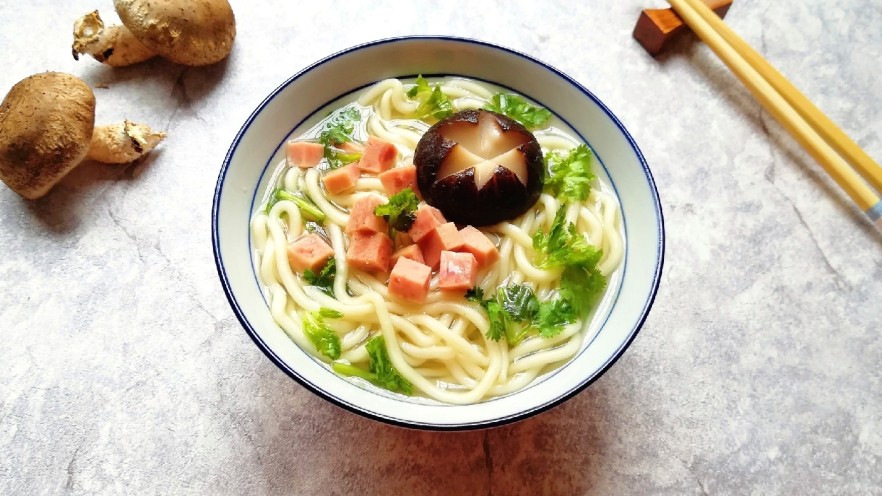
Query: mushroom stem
[(114, 45), (122, 143)]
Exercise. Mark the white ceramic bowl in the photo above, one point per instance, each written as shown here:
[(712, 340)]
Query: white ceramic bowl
[(258, 147)]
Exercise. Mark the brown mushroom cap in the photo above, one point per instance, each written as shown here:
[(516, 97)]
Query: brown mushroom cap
[(479, 167), (189, 32), (46, 123)]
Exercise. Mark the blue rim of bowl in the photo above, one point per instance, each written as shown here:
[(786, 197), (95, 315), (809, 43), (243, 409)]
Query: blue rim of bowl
[(522, 415)]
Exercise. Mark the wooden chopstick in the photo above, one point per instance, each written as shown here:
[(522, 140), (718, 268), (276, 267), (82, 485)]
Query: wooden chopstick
[(814, 131)]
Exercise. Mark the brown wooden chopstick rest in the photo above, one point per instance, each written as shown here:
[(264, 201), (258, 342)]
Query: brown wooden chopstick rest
[(656, 26)]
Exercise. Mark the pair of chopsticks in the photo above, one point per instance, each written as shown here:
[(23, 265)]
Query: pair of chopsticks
[(843, 160)]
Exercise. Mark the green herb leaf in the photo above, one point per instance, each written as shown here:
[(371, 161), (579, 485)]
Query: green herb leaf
[(517, 108), (308, 209), (581, 282), (381, 366), (325, 340), (324, 280), (563, 246), (570, 176), (433, 102), (339, 128), (519, 301), (553, 316), (400, 211)]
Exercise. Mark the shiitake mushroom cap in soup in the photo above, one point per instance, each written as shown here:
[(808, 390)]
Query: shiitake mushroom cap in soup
[(479, 167)]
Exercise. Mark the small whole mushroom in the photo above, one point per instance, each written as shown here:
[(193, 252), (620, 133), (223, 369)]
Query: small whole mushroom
[(479, 167), (47, 127), (188, 32)]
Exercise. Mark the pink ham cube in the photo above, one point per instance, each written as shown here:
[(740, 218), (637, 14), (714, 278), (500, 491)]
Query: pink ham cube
[(369, 251), (304, 154), (457, 272), (443, 237), (342, 179), (477, 243), (426, 219), (362, 217), (309, 251), (411, 251), (397, 179), (378, 156), (409, 280)]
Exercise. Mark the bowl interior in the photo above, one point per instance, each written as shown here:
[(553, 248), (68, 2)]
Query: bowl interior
[(299, 102)]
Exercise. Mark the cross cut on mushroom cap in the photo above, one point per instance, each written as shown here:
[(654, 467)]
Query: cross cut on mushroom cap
[(486, 149)]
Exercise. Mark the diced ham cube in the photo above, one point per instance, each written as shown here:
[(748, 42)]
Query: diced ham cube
[(397, 179), (409, 280), (362, 217), (379, 155), (458, 271), (342, 179), (477, 243), (309, 252), (305, 154), (426, 219), (369, 251), (443, 237), (412, 252)]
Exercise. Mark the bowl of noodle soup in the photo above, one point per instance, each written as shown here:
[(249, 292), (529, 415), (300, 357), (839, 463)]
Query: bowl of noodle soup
[(531, 333)]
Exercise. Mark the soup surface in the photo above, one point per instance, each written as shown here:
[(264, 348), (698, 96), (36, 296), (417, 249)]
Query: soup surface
[(364, 274)]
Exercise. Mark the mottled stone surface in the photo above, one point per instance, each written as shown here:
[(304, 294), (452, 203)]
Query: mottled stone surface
[(123, 370)]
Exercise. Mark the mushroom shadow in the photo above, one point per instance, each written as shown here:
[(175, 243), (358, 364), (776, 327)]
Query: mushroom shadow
[(61, 209)]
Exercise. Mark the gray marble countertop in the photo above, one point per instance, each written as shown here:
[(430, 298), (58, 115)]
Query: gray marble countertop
[(124, 371)]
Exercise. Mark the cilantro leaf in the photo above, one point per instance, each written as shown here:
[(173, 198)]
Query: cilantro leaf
[(582, 285), (336, 131), (433, 102), (308, 209), (510, 312), (325, 340), (553, 315), (382, 368), (518, 109), (570, 176), (563, 246), (324, 280), (399, 212), (339, 128)]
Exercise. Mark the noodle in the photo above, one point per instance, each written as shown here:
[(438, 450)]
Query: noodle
[(440, 347)]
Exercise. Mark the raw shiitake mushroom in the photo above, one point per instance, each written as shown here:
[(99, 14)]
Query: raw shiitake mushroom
[(479, 167), (188, 32), (47, 127)]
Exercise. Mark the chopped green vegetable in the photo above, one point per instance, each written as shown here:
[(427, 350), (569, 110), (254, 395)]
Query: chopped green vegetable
[(400, 211), (381, 366), (325, 340), (581, 283), (553, 315), (570, 176), (433, 102), (308, 209), (510, 313), (517, 108), (563, 246), (338, 130), (324, 280), (382, 372), (515, 311)]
